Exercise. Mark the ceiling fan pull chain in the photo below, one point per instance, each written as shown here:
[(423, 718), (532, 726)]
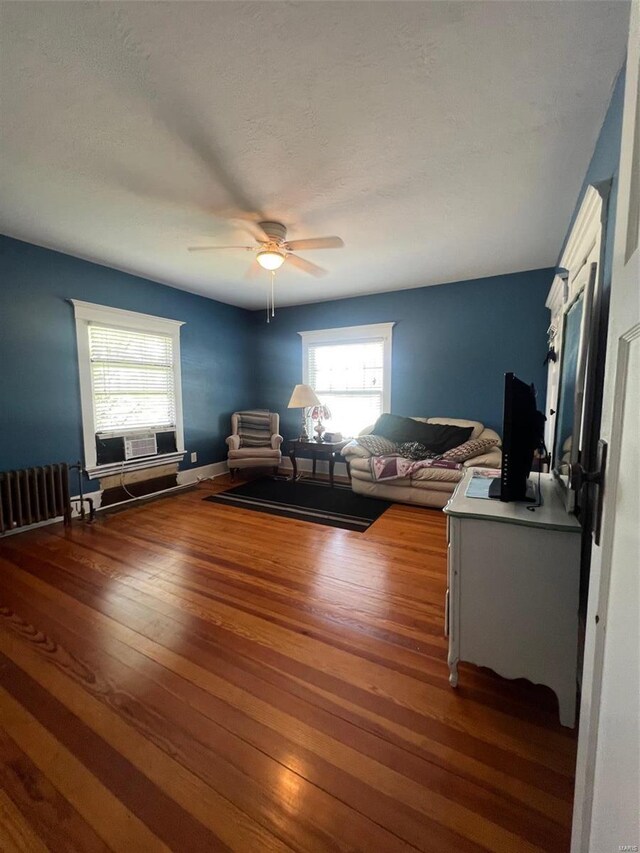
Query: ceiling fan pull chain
[(273, 299)]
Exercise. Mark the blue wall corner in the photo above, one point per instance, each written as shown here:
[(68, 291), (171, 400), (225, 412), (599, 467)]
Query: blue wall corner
[(452, 344), (40, 420), (604, 165)]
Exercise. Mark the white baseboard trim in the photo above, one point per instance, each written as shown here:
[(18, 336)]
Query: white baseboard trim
[(161, 493), (204, 472), (96, 497)]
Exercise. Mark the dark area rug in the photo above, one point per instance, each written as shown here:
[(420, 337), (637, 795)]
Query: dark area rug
[(305, 500)]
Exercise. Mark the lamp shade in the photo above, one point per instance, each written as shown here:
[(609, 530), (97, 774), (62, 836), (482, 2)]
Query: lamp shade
[(303, 396)]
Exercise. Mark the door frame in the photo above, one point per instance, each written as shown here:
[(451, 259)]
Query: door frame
[(601, 561)]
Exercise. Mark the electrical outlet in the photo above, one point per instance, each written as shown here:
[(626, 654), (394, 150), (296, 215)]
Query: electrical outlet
[(194, 457)]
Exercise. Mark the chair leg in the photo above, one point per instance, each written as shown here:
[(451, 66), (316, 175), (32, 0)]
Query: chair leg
[(232, 471), (275, 470)]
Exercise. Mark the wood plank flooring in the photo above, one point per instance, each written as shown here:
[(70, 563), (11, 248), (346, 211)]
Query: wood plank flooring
[(189, 676)]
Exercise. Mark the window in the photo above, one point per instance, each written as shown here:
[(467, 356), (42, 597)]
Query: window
[(132, 379), (350, 371), (129, 378)]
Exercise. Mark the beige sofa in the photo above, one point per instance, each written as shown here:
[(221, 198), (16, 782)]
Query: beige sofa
[(428, 486)]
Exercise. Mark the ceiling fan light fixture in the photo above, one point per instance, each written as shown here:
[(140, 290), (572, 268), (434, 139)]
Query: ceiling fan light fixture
[(270, 260)]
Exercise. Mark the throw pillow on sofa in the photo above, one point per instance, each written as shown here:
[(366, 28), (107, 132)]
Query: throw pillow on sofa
[(436, 437), (377, 445), (470, 449)]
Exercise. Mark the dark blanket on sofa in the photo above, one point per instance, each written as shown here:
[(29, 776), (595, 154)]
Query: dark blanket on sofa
[(437, 438)]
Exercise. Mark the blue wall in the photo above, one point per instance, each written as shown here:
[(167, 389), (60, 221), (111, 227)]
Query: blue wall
[(604, 165), (452, 345), (40, 419)]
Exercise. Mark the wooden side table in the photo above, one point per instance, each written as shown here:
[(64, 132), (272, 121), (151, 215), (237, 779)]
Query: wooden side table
[(318, 450)]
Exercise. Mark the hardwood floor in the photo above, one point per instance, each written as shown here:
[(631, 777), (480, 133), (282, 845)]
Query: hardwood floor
[(189, 676)]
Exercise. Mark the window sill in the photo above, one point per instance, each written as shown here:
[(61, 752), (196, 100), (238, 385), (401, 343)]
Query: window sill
[(97, 471)]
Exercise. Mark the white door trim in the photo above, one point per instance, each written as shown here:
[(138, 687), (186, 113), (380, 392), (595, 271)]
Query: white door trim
[(601, 787)]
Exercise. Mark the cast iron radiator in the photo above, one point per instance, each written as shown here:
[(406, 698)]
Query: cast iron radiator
[(34, 494)]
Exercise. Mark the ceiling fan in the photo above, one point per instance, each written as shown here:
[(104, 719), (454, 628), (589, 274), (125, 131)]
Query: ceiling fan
[(273, 249)]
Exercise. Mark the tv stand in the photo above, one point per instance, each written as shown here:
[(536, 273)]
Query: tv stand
[(513, 583)]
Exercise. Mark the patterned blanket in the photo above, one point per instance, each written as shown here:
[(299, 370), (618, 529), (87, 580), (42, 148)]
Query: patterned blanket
[(254, 428), (395, 467)]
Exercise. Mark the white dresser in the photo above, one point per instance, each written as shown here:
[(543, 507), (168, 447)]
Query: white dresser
[(513, 584)]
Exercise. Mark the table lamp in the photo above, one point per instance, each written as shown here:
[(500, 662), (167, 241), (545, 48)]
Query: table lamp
[(303, 396)]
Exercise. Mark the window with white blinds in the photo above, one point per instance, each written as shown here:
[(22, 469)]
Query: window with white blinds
[(349, 369), (129, 368), (132, 377)]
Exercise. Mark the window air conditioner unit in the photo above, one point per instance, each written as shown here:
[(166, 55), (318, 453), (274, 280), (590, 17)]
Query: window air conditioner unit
[(136, 446)]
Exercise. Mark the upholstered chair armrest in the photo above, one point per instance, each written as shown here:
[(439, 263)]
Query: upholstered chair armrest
[(353, 450), (276, 441), (367, 430), (233, 442)]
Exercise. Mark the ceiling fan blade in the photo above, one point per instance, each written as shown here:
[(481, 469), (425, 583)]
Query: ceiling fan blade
[(306, 266), (253, 228), (254, 271), (315, 243), (215, 248)]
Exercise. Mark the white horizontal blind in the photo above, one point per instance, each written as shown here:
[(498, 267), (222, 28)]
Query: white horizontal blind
[(132, 375), (349, 378)]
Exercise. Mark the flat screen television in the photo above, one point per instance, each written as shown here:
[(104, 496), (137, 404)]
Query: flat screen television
[(522, 435)]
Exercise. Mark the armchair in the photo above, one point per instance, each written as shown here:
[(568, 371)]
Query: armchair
[(254, 441)]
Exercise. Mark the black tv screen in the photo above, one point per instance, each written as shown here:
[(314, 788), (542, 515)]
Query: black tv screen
[(522, 435)]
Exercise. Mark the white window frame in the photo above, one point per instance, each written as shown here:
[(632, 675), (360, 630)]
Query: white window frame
[(353, 335), (87, 313)]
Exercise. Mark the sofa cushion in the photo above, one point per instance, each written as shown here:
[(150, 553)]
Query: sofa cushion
[(421, 497), (377, 445), (365, 477), (442, 475), (471, 448), (492, 459), (353, 450), (404, 483), (361, 470), (490, 433), (359, 463), (435, 437), (254, 453)]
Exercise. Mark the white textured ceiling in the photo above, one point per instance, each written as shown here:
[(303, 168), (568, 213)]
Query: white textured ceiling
[(440, 140)]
